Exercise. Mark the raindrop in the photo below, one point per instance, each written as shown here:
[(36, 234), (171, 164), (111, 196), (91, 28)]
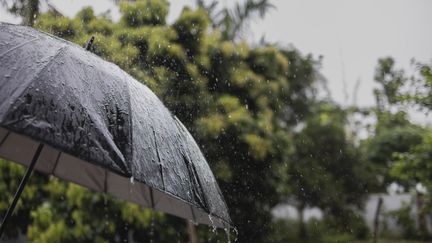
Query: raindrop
[(236, 234), (152, 226), (212, 223), (132, 180), (7, 76), (227, 232), (105, 202)]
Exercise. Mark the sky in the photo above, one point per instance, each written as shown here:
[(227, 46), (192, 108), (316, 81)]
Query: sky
[(350, 35)]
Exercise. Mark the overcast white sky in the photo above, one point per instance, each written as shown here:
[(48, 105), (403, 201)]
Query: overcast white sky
[(350, 35)]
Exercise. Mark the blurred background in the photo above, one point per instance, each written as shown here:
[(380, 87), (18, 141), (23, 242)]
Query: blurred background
[(314, 116)]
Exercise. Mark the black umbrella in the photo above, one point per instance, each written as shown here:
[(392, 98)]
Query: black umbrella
[(68, 113)]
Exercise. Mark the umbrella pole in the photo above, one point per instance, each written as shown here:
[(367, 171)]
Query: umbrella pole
[(21, 188)]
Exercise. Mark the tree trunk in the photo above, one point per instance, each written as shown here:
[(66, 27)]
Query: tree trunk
[(191, 232), (421, 217), (302, 228), (376, 220), (31, 11)]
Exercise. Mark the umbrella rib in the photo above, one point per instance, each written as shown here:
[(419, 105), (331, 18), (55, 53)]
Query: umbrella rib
[(159, 159), (56, 162), (4, 138), (37, 74), (21, 186), (130, 125), (18, 46), (207, 205)]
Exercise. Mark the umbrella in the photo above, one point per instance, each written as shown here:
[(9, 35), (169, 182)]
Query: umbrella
[(66, 112)]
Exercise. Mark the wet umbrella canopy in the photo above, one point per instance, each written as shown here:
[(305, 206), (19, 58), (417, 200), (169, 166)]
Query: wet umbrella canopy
[(85, 120)]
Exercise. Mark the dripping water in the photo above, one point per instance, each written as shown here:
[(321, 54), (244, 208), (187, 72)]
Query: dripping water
[(236, 234), (105, 202), (228, 235), (212, 223), (152, 224), (132, 182)]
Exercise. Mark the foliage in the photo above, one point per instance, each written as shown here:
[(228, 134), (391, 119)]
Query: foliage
[(400, 89), (394, 133), (422, 95), (400, 150), (327, 169), (30, 198), (391, 80), (414, 165)]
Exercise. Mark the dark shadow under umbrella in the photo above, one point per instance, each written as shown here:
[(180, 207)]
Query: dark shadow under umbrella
[(68, 113)]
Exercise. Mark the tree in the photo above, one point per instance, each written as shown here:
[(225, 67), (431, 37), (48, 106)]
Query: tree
[(413, 167), (397, 147), (400, 89), (423, 94), (393, 132), (390, 80), (328, 170), (27, 9)]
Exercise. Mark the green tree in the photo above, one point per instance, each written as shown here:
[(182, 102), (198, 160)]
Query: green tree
[(399, 89), (422, 95), (411, 164), (396, 143), (328, 171), (413, 167), (393, 132)]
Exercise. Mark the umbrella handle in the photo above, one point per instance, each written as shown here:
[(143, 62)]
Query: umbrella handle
[(21, 187)]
